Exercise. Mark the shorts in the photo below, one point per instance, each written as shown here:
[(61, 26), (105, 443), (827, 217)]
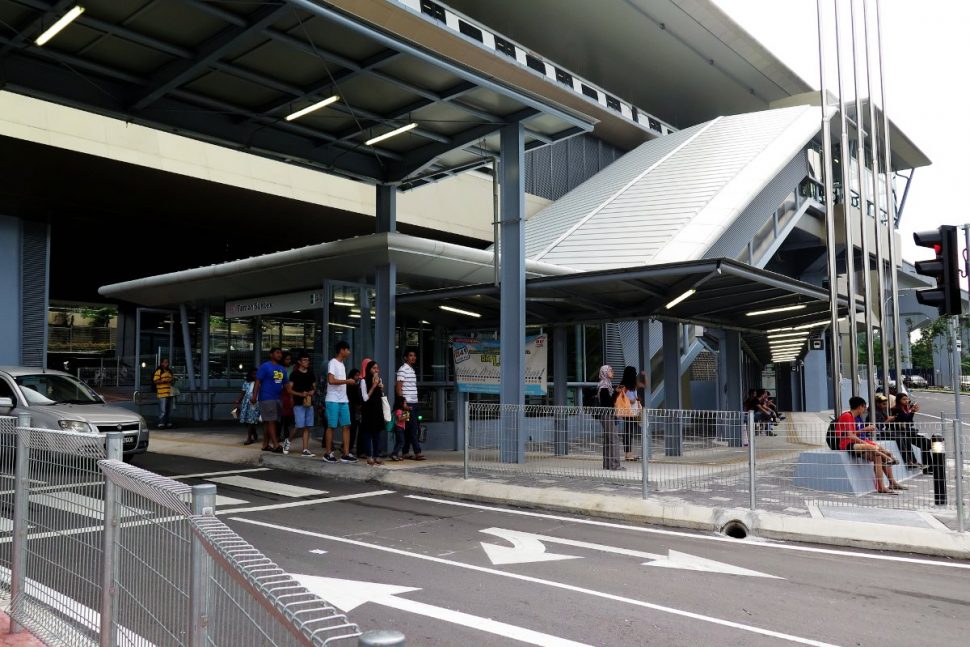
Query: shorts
[(303, 417), (270, 410), (338, 414)]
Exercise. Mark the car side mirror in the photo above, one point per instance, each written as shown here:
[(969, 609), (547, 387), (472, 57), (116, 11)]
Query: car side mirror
[(6, 403)]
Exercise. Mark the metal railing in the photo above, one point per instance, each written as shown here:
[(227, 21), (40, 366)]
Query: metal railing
[(724, 458), (98, 552)]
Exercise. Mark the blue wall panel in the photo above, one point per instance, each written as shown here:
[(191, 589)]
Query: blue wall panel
[(10, 301)]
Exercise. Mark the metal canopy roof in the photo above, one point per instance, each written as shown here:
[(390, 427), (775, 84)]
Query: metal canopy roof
[(726, 291), (230, 72)]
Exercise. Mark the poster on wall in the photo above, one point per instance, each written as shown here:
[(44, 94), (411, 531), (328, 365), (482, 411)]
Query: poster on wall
[(478, 367)]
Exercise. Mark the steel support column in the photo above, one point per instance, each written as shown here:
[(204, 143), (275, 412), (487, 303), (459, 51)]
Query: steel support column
[(646, 358), (385, 284), (560, 387), (512, 293), (673, 433)]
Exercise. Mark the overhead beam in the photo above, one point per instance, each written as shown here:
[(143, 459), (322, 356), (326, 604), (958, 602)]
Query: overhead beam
[(180, 72)]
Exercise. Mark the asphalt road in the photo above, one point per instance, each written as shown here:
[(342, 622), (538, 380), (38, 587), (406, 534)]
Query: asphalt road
[(556, 580), (932, 403)]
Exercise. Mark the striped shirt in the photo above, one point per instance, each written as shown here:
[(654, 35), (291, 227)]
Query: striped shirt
[(163, 379), (409, 383)]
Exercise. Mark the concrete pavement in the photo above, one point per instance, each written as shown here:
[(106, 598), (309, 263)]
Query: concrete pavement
[(442, 475)]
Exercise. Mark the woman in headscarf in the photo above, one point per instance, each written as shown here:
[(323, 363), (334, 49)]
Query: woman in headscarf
[(611, 441)]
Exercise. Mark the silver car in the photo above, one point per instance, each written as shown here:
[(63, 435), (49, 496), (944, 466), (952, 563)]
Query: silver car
[(57, 400)]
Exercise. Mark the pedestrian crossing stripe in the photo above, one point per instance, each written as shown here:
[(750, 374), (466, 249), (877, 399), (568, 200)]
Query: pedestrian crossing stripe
[(267, 487), (80, 504), (228, 500)]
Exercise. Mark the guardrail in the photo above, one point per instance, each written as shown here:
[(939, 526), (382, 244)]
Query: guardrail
[(724, 458), (105, 553)]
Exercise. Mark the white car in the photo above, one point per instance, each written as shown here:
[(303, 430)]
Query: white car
[(917, 381), (57, 400)]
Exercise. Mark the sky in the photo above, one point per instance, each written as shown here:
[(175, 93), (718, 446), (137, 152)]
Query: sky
[(926, 47)]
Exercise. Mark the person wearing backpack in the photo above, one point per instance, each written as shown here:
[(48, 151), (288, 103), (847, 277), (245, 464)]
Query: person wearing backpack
[(855, 436), (162, 380)]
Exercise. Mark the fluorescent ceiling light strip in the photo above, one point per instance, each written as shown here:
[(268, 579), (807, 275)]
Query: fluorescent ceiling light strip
[(680, 298), (345, 304), (396, 131), (467, 313), (788, 334), (316, 106), (774, 310), (64, 21)]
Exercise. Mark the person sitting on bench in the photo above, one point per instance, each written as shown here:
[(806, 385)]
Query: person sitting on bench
[(855, 437), (902, 430)]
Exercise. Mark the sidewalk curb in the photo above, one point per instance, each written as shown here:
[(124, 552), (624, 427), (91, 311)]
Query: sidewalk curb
[(766, 525)]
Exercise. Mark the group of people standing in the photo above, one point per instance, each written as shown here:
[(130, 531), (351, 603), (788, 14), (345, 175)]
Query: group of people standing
[(626, 400), (281, 397)]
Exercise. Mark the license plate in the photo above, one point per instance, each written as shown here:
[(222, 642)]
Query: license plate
[(130, 442)]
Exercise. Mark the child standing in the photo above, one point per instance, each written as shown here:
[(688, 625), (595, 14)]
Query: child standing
[(248, 412), (401, 415)]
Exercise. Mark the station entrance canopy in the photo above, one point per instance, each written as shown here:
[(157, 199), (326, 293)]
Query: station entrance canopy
[(232, 73), (726, 294)]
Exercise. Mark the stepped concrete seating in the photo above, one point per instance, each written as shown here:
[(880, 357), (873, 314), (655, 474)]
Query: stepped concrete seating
[(832, 471)]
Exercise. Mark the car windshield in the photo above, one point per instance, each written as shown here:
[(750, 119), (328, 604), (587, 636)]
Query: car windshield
[(50, 388)]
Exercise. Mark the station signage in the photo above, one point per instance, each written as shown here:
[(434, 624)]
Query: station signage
[(478, 367), (274, 304)]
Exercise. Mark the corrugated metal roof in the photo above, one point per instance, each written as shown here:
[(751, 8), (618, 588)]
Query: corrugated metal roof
[(670, 199)]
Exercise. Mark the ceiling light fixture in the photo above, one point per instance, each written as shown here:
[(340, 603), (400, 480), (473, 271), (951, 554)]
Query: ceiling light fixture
[(680, 298), (788, 334), (774, 310), (316, 106), (345, 304), (467, 313), (387, 135), (63, 22)]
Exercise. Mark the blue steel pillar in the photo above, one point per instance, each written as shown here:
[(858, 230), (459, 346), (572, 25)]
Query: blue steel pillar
[(733, 384), (673, 431), (512, 293), (385, 286), (560, 388)]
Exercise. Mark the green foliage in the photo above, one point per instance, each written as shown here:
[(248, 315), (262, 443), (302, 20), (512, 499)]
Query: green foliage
[(99, 317)]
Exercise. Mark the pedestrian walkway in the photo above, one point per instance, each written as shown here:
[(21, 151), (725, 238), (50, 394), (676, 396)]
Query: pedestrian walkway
[(22, 639), (838, 520)]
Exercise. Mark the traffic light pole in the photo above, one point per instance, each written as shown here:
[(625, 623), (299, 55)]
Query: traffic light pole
[(955, 345)]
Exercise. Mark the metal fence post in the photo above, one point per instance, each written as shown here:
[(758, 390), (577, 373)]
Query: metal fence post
[(110, 563), (203, 504), (751, 462), (644, 453), (21, 502), (381, 638), (468, 430), (958, 463)]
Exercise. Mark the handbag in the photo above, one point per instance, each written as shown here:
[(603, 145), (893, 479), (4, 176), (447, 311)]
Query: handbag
[(386, 408), (308, 401), (623, 407)]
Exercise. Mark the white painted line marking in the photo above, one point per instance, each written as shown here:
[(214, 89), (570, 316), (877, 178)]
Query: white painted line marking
[(347, 595), (267, 487), (813, 510), (528, 546), (228, 500), (929, 415), (674, 533), (6, 525), (551, 583), (226, 473), (297, 504), (79, 504), (318, 551), (933, 521)]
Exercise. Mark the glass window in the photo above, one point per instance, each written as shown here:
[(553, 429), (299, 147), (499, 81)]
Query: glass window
[(50, 388)]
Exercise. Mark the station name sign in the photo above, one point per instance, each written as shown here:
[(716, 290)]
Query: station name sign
[(274, 304)]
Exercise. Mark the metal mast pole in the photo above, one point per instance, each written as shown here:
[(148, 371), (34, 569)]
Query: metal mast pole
[(836, 355), (863, 206), (880, 260), (890, 212), (846, 158)]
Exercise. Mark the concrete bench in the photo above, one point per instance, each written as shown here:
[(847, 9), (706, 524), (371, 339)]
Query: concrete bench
[(832, 471)]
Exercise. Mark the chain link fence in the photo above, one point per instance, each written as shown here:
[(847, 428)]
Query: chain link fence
[(725, 459)]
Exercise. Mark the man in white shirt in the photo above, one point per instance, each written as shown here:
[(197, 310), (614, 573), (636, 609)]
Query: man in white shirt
[(406, 386), (338, 405)]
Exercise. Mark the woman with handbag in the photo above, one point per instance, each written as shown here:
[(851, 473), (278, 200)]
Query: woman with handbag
[(628, 412), (301, 387), (372, 422)]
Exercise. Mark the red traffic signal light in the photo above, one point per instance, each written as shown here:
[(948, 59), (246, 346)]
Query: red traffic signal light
[(945, 268)]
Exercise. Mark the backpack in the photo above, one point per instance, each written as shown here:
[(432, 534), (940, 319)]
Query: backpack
[(832, 437)]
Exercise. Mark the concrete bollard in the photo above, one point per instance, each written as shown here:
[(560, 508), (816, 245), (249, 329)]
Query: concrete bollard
[(381, 638)]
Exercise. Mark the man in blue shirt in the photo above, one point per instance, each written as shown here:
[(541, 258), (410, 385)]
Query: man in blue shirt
[(271, 379)]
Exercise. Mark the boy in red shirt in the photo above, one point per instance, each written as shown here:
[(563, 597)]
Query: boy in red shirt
[(855, 437)]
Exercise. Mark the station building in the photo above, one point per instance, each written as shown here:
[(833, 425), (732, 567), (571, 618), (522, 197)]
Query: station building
[(162, 195)]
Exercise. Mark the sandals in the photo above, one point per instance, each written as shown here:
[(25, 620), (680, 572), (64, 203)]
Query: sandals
[(887, 492), (420, 457), (396, 459), (897, 486)]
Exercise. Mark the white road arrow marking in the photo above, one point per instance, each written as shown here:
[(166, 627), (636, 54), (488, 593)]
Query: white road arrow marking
[(673, 558), (347, 595), (525, 548)]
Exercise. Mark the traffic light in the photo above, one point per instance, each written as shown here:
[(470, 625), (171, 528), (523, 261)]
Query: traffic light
[(945, 268)]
